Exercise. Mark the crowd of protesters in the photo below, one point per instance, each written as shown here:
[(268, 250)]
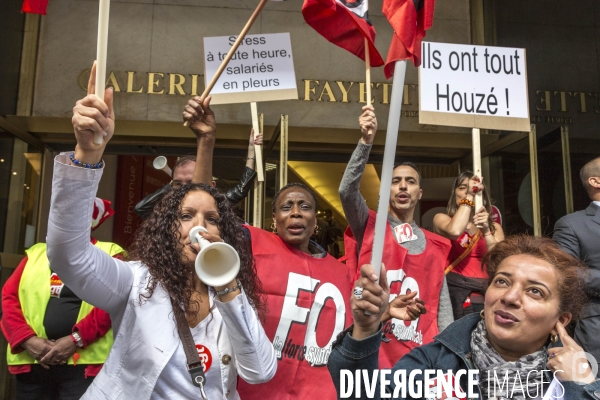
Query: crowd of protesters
[(463, 297)]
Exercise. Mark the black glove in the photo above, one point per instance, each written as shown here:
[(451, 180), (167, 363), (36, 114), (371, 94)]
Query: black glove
[(240, 191), (146, 205)]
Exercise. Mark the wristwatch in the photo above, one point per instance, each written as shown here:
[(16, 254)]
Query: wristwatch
[(77, 339)]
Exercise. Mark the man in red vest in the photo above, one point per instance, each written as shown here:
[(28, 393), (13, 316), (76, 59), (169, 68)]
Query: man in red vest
[(415, 258)]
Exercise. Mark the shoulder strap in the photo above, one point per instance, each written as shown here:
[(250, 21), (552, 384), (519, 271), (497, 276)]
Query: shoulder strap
[(194, 365), (465, 253)]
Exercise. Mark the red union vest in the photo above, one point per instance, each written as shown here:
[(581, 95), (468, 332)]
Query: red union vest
[(405, 273), (308, 301), (470, 266)]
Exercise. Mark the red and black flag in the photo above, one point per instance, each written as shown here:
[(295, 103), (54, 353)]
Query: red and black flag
[(344, 23), (34, 6), (410, 19)]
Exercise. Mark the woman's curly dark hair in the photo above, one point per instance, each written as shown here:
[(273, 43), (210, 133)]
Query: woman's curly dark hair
[(157, 245)]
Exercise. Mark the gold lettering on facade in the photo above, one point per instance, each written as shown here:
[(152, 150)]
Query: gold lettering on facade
[(344, 90), (596, 109), (112, 81), (386, 92), (559, 120), (308, 89), (535, 119), (327, 92), (152, 83), (563, 99), (130, 78), (176, 81), (409, 114), (406, 101), (363, 92), (582, 105), (551, 120), (194, 85), (544, 100), (83, 79)]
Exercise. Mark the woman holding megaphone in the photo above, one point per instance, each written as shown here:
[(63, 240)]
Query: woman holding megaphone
[(175, 335)]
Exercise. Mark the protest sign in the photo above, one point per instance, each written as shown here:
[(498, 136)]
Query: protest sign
[(473, 86), (261, 69)]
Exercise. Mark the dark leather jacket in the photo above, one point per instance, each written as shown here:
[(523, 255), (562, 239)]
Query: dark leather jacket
[(451, 350), (234, 195)]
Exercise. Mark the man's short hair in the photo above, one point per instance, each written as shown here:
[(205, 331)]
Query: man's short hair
[(590, 169), (409, 164), (182, 161)]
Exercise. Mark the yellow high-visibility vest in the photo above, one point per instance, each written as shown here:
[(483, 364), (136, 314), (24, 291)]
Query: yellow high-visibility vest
[(34, 294)]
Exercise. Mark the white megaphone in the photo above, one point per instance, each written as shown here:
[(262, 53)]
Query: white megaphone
[(160, 162), (218, 263)]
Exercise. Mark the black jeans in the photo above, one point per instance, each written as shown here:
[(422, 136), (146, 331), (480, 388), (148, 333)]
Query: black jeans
[(60, 382)]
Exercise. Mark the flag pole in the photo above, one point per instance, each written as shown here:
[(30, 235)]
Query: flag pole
[(368, 76), (389, 154), (232, 51), (103, 13)]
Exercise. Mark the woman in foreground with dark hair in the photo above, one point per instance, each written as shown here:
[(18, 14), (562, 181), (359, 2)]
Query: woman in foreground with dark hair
[(533, 293), (157, 301)]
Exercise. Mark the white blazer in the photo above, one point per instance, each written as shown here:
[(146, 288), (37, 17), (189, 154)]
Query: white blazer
[(145, 333)]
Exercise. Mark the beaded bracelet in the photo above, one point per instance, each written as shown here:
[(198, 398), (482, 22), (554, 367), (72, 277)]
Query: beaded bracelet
[(84, 165), (229, 290), (467, 202)]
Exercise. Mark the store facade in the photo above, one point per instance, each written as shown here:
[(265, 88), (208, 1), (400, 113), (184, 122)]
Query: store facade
[(155, 64)]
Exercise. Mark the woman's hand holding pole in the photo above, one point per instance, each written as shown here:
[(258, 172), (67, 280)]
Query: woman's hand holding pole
[(93, 116), (251, 156)]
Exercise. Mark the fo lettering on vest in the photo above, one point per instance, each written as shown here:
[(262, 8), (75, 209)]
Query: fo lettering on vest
[(405, 274), (308, 301)]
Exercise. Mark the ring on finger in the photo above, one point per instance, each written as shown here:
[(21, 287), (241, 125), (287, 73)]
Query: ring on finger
[(552, 355), (358, 291)]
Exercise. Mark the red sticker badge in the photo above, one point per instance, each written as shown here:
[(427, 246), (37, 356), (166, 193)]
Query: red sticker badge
[(404, 233), (205, 356), (56, 285)]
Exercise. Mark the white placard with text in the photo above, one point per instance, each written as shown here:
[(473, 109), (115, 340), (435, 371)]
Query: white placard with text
[(473, 86), (261, 69)]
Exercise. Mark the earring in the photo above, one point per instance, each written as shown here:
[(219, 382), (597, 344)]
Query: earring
[(481, 314), (274, 227), (317, 230), (553, 339)]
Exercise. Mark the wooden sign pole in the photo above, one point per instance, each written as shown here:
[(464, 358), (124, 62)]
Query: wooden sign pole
[(231, 52), (257, 149), (283, 152)]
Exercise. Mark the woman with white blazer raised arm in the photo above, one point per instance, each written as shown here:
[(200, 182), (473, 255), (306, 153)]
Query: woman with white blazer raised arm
[(147, 297)]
